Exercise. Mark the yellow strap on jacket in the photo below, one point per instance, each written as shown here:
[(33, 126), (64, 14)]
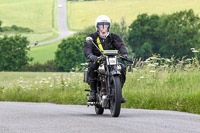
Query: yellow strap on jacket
[(99, 44)]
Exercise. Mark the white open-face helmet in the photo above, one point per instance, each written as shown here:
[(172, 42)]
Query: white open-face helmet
[(102, 20)]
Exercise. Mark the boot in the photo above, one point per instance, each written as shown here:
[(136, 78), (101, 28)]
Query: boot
[(123, 100), (92, 97)]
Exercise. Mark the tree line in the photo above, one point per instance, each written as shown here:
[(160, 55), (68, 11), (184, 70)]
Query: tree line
[(167, 35)]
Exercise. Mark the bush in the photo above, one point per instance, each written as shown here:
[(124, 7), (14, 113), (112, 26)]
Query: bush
[(69, 54), (49, 66), (13, 53), (15, 28)]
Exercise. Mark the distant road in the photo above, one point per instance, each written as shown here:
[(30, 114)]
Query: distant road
[(21, 117), (62, 23)]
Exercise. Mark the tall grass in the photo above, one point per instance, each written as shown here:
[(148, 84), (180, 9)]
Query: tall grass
[(164, 87), (64, 88), (156, 83)]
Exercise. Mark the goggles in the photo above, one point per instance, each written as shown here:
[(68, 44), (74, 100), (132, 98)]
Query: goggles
[(103, 24)]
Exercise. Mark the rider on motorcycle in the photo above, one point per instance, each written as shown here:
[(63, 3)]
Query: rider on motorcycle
[(109, 41)]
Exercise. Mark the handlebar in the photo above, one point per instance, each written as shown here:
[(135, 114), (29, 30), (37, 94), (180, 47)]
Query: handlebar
[(126, 59), (101, 57)]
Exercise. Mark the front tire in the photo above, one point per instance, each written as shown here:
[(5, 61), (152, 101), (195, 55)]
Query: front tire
[(115, 102), (99, 110)]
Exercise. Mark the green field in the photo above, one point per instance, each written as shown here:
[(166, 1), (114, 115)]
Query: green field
[(43, 53), (84, 14), (38, 15)]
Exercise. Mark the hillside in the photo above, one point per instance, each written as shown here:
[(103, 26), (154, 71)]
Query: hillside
[(34, 14), (83, 14)]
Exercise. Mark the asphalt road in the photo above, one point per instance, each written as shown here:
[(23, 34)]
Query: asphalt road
[(62, 23), (20, 117)]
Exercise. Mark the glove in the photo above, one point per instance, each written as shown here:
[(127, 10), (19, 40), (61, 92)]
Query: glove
[(125, 56), (92, 57)]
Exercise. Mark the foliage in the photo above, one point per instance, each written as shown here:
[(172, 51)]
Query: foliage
[(15, 28), (86, 31), (49, 66), (166, 35), (69, 54), (13, 53), (120, 29)]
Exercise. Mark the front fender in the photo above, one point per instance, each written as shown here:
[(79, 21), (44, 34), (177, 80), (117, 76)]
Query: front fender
[(114, 72)]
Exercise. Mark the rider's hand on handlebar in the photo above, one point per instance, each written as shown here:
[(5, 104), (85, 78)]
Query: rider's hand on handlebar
[(125, 56), (92, 57)]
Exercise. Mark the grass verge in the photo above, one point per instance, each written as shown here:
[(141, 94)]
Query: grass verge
[(144, 89)]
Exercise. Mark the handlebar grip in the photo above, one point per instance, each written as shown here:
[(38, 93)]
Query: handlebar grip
[(126, 59)]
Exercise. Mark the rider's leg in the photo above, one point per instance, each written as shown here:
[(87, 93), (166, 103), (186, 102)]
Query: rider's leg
[(92, 81), (123, 78)]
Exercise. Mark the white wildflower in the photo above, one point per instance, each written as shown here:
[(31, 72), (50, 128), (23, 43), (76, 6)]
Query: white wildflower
[(152, 71), (141, 77), (134, 69), (192, 49), (168, 60), (151, 65), (154, 58), (146, 61), (156, 64), (195, 51), (188, 59), (46, 82), (21, 81)]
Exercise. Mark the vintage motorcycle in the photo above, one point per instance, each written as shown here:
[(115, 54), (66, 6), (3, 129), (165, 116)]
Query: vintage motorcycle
[(109, 82)]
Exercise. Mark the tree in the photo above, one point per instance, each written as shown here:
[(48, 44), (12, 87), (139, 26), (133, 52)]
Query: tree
[(142, 36), (69, 54), (120, 29), (166, 35), (13, 53), (180, 32)]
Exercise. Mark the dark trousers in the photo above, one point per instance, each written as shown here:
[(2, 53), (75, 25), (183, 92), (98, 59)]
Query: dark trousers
[(93, 75)]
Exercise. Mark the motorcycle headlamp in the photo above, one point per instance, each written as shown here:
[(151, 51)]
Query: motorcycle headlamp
[(119, 68)]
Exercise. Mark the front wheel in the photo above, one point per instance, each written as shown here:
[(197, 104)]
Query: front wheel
[(99, 110), (115, 101)]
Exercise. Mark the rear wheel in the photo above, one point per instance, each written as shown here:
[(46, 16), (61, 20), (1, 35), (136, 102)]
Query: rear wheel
[(115, 102)]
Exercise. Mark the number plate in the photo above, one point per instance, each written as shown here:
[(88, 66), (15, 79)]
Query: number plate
[(112, 61)]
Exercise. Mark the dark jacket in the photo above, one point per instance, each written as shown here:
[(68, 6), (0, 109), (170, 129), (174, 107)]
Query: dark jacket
[(112, 42)]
